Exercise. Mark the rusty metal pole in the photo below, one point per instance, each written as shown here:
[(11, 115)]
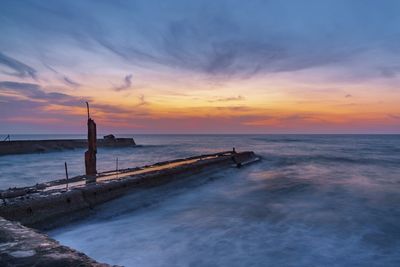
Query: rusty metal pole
[(87, 108), (90, 154), (66, 173)]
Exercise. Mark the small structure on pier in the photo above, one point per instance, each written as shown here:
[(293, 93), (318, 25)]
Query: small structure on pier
[(109, 137), (90, 154)]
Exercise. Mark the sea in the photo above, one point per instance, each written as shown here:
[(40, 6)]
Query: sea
[(313, 200)]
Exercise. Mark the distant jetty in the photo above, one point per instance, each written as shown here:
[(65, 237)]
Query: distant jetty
[(41, 146)]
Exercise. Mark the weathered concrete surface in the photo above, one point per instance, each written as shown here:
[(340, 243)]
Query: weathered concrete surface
[(21, 246), (47, 205), (40, 146)]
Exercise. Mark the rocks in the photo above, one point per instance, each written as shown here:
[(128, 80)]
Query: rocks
[(21, 246)]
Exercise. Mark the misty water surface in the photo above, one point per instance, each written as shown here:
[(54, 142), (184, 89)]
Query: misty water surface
[(312, 201)]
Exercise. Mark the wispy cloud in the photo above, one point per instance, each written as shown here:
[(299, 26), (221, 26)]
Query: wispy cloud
[(30, 101), (394, 116), (19, 69), (228, 99), (36, 92), (142, 101), (64, 78), (126, 85), (70, 82), (390, 71)]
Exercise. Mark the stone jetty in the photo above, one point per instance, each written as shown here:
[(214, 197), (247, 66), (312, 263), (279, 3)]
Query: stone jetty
[(46, 205)]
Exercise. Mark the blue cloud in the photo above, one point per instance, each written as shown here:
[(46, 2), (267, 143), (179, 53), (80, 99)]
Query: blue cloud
[(19, 69), (216, 38), (36, 92), (70, 82)]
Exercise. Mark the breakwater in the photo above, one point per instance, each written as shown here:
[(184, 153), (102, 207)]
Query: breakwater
[(48, 204), (40, 146)]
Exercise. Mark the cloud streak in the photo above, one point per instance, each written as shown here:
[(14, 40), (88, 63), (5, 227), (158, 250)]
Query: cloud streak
[(228, 99), (70, 82), (126, 85), (19, 69), (36, 93), (28, 101)]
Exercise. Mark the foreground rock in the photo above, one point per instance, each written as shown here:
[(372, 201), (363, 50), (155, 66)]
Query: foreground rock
[(21, 246)]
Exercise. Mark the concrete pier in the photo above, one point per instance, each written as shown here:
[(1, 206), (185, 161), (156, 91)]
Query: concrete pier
[(47, 205)]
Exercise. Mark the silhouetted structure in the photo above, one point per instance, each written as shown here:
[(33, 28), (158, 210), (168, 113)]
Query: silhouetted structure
[(90, 154), (109, 137)]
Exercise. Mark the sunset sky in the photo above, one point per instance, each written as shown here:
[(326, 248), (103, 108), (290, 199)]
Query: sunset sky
[(180, 66)]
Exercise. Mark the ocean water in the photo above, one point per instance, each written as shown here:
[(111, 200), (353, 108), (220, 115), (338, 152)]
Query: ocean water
[(314, 200)]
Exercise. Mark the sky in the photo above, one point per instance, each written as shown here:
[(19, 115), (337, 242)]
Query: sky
[(204, 66)]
